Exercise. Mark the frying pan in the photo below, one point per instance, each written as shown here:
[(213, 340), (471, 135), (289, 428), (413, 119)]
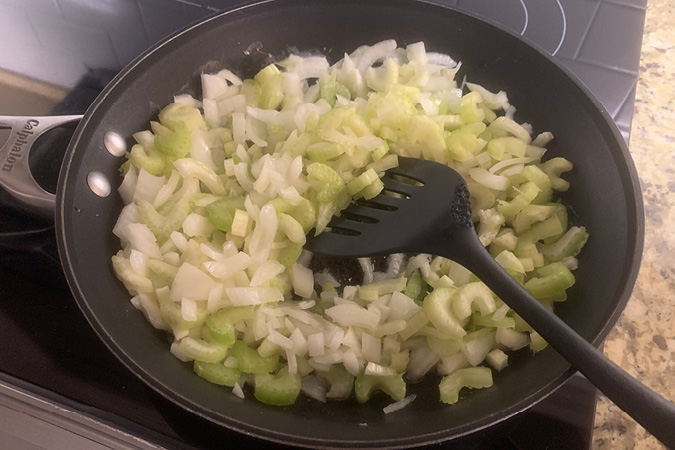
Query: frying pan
[(604, 197)]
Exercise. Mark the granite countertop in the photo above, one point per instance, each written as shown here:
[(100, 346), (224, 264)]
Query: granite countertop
[(643, 342)]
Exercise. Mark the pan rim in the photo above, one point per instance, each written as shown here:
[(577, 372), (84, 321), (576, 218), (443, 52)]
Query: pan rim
[(622, 158)]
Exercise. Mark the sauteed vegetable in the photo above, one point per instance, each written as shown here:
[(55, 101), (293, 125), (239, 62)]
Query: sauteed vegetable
[(222, 191)]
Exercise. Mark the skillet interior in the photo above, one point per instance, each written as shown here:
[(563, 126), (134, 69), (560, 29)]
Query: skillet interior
[(604, 196)]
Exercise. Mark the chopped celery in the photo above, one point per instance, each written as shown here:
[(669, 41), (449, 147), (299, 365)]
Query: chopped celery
[(413, 288), (216, 373), (152, 162), (165, 270), (543, 182), (469, 110), (554, 168), (269, 93), (177, 144), (526, 193), (221, 212), (163, 225), (444, 347), (131, 279), (531, 214), (568, 245), (291, 228), (324, 151), (470, 377), (250, 361), (289, 255), (501, 148), (537, 343), (330, 183), (366, 385), (340, 380), (203, 351), (280, 389), (362, 181), (175, 115), (461, 145), (553, 279), (436, 306), (330, 89), (220, 327), (305, 214)]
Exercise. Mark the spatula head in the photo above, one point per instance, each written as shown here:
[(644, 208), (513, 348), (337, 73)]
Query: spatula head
[(422, 202)]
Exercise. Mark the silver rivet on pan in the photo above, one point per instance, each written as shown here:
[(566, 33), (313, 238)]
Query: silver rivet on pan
[(114, 143), (98, 184)]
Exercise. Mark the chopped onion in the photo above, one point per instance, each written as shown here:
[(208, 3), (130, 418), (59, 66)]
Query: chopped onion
[(399, 404)]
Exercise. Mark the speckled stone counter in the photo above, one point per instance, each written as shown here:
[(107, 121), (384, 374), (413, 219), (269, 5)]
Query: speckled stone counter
[(643, 342)]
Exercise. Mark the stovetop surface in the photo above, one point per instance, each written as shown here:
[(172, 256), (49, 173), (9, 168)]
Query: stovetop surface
[(70, 49)]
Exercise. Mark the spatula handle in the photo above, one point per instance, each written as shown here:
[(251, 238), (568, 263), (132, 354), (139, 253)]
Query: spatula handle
[(648, 408)]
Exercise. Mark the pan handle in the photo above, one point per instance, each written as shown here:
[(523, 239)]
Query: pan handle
[(15, 174)]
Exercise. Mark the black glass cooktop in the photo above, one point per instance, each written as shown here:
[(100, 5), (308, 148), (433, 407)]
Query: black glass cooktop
[(56, 55)]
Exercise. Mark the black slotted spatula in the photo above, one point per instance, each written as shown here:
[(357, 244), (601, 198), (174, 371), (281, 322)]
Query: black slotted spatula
[(432, 215)]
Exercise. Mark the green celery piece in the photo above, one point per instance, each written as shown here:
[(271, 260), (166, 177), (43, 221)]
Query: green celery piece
[(220, 327), (153, 162), (543, 182), (161, 225), (340, 380), (176, 145), (331, 89), (499, 148), (527, 192), (554, 168), (164, 270), (217, 373), (175, 114), (331, 182), (268, 87), (379, 152), (490, 115), (324, 151), (250, 361), (561, 212), (305, 213), (436, 306), (461, 145), (280, 389), (444, 347), (537, 343), (132, 280), (291, 228), (282, 283), (467, 295), (414, 286), (124, 168), (221, 212), (372, 190), (172, 314), (201, 350), (469, 110), (542, 230), (470, 377), (289, 255), (234, 314), (531, 214), (553, 279), (362, 181), (569, 244), (366, 385), (281, 205)]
